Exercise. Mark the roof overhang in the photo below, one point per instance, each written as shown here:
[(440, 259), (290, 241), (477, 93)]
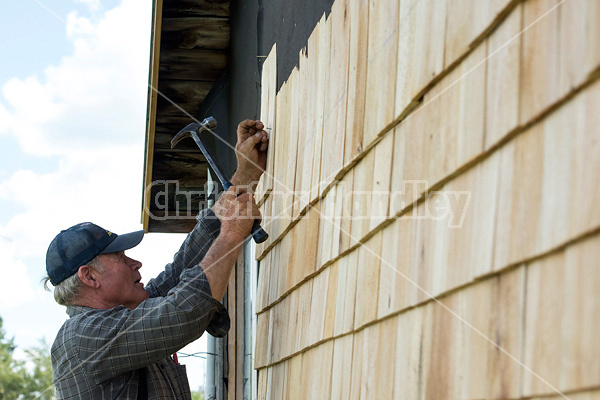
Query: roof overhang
[(188, 53)]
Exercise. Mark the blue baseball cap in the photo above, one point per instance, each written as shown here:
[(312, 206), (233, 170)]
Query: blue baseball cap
[(80, 244)]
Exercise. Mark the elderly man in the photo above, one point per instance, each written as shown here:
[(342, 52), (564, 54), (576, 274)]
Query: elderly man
[(120, 335)]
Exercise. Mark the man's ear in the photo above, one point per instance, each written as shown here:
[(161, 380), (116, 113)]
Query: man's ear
[(88, 276)]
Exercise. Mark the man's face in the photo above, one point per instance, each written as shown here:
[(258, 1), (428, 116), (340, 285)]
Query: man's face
[(120, 283)]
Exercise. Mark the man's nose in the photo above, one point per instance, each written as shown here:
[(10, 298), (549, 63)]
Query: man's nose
[(135, 264)]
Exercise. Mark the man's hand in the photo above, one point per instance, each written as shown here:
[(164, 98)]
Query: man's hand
[(237, 210), (251, 153)]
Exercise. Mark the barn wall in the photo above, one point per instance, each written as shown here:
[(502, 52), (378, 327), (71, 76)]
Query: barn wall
[(431, 199)]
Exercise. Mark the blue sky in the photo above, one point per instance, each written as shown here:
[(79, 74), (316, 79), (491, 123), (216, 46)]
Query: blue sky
[(73, 87)]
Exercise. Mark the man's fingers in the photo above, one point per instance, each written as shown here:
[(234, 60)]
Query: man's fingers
[(246, 147), (249, 127), (265, 142), (246, 126)]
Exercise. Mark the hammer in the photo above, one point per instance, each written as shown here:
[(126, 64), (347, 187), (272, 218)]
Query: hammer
[(258, 233)]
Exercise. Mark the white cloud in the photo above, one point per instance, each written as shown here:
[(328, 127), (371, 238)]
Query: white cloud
[(95, 97), (89, 113), (93, 5), (15, 287)]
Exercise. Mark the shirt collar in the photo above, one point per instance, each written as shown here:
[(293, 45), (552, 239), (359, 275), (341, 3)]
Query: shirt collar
[(74, 310)]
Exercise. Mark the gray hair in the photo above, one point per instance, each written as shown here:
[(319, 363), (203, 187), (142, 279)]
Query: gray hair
[(66, 292)]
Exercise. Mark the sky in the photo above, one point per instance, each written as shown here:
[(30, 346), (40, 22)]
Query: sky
[(73, 94)]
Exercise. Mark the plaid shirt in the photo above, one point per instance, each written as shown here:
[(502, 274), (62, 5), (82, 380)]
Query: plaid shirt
[(102, 354)]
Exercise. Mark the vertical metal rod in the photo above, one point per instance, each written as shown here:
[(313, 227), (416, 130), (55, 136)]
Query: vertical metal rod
[(247, 363), (210, 389)]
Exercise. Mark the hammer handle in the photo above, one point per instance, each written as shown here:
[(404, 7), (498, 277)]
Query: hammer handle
[(258, 233)]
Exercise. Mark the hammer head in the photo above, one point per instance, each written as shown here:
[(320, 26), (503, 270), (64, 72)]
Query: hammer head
[(208, 123)]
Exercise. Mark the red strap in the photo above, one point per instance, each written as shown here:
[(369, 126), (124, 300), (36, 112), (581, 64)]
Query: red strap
[(175, 358)]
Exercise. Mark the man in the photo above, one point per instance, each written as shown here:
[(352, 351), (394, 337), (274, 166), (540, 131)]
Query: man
[(120, 335)]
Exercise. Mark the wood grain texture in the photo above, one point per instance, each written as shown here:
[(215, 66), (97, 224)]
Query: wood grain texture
[(262, 337), (273, 293), (379, 366), (282, 265), (502, 80), (267, 116), (281, 189), (455, 109), (467, 20), (409, 354), (382, 174), (361, 196), (326, 209), (331, 305), (381, 67), (340, 299), (426, 307), (184, 64), (408, 182), (334, 129), (432, 244), (504, 373), (320, 88), (446, 355), (266, 214), (350, 295), (579, 42), (319, 370), (303, 325), (585, 161), (279, 326), (468, 207), (279, 382), (300, 199), (289, 344), (178, 8), (308, 240), (262, 384), (190, 32), (295, 387), (358, 11), (345, 190), (540, 55), (338, 222), (397, 278), (367, 281), (420, 48), (179, 98), (318, 307), (294, 260), (357, 365), (445, 133), (292, 153), (262, 291), (341, 368), (535, 217), (309, 106), (562, 300)]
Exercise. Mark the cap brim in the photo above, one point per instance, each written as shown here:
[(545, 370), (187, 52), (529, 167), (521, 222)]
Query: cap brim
[(124, 242)]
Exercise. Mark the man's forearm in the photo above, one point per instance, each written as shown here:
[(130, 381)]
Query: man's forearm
[(245, 180), (218, 263)]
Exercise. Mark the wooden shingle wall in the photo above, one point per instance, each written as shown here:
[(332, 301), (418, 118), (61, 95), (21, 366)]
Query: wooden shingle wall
[(432, 198)]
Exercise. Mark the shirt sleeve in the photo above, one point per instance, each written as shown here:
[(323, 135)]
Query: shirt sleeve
[(180, 309), (191, 252), (111, 342)]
